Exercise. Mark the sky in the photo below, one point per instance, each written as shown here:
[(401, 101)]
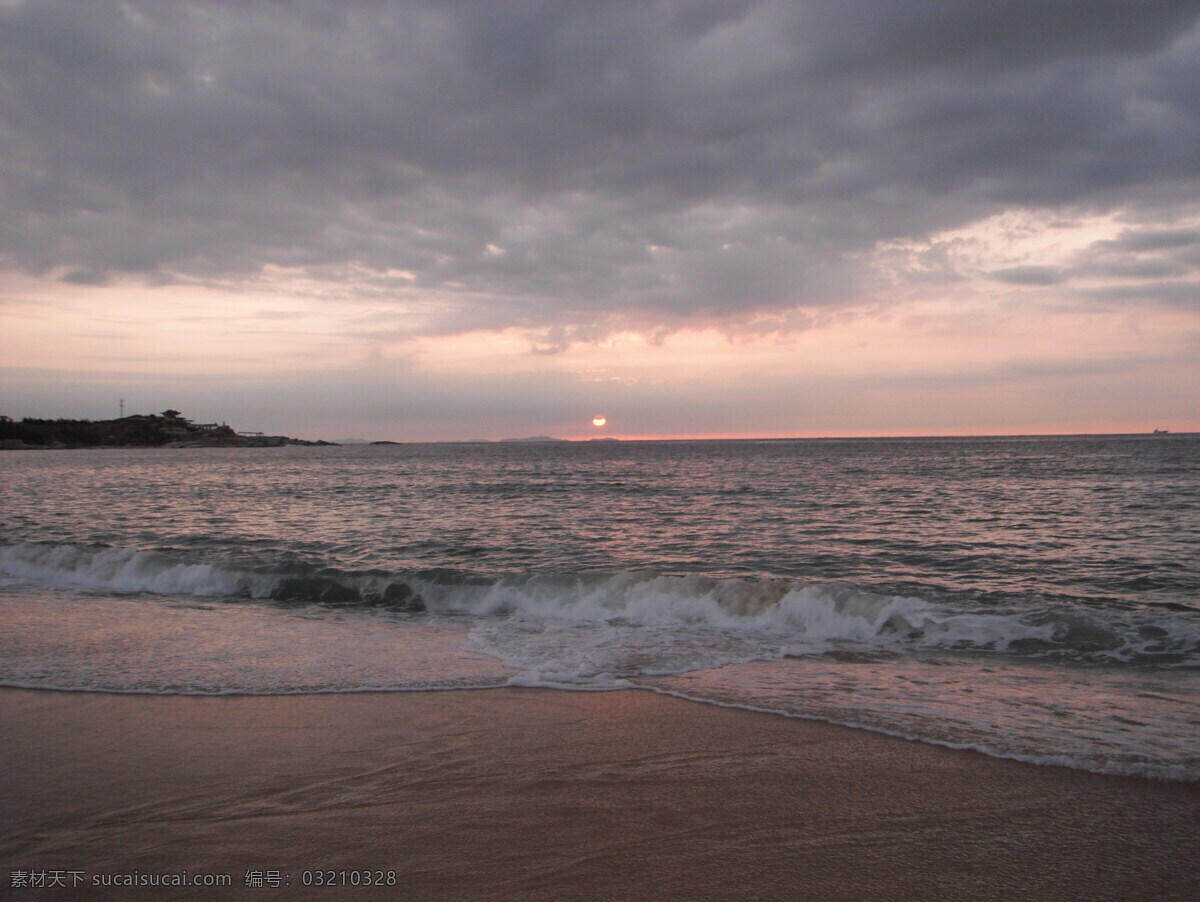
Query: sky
[(435, 220)]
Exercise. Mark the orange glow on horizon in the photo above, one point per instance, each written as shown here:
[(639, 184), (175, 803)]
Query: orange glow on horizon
[(1099, 429)]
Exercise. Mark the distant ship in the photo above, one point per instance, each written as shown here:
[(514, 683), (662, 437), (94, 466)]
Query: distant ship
[(1161, 432)]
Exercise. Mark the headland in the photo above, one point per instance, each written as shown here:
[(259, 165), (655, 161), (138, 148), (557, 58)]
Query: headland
[(169, 429)]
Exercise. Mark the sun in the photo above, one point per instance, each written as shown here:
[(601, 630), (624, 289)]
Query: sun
[(599, 420)]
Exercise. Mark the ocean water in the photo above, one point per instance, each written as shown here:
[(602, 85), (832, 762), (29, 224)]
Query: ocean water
[(1031, 598)]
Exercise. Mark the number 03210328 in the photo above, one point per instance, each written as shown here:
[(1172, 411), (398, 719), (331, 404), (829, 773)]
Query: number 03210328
[(348, 878)]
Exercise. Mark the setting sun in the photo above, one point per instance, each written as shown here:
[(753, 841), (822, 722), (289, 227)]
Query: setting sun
[(599, 420)]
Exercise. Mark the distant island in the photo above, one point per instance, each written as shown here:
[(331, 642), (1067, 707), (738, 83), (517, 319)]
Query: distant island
[(169, 429), (534, 438)]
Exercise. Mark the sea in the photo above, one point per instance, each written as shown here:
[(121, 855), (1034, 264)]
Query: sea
[(1032, 598)]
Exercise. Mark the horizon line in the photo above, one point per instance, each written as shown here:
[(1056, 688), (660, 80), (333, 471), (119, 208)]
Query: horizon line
[(550, 440)]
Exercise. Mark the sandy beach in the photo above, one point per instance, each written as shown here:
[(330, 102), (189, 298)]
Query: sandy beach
[(537, 794)]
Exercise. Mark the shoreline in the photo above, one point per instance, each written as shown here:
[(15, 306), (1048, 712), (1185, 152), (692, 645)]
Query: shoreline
[(516, 793), (1153, 776)]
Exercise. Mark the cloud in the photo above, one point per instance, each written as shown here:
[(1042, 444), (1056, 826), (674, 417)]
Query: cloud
[(1143, 266), (1155, 268), (85, 277), (1177, 294), (1029, 275), (1151, 240), (578, 166)]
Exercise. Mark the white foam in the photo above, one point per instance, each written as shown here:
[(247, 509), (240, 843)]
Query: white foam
[(815, 615), (123, 570), (787, 616), (1113, 720)]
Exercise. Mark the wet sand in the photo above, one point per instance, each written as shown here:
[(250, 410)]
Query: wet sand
[(536, 794)]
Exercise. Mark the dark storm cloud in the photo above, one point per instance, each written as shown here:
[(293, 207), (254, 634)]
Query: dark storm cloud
[(556, 163)]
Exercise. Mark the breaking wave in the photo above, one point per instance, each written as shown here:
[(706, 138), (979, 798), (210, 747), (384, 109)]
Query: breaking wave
[(802, 618)]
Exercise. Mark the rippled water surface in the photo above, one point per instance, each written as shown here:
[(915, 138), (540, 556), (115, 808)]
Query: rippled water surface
[(836, 579)]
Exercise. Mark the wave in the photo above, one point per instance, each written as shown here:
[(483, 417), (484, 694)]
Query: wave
[(803, 617)]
